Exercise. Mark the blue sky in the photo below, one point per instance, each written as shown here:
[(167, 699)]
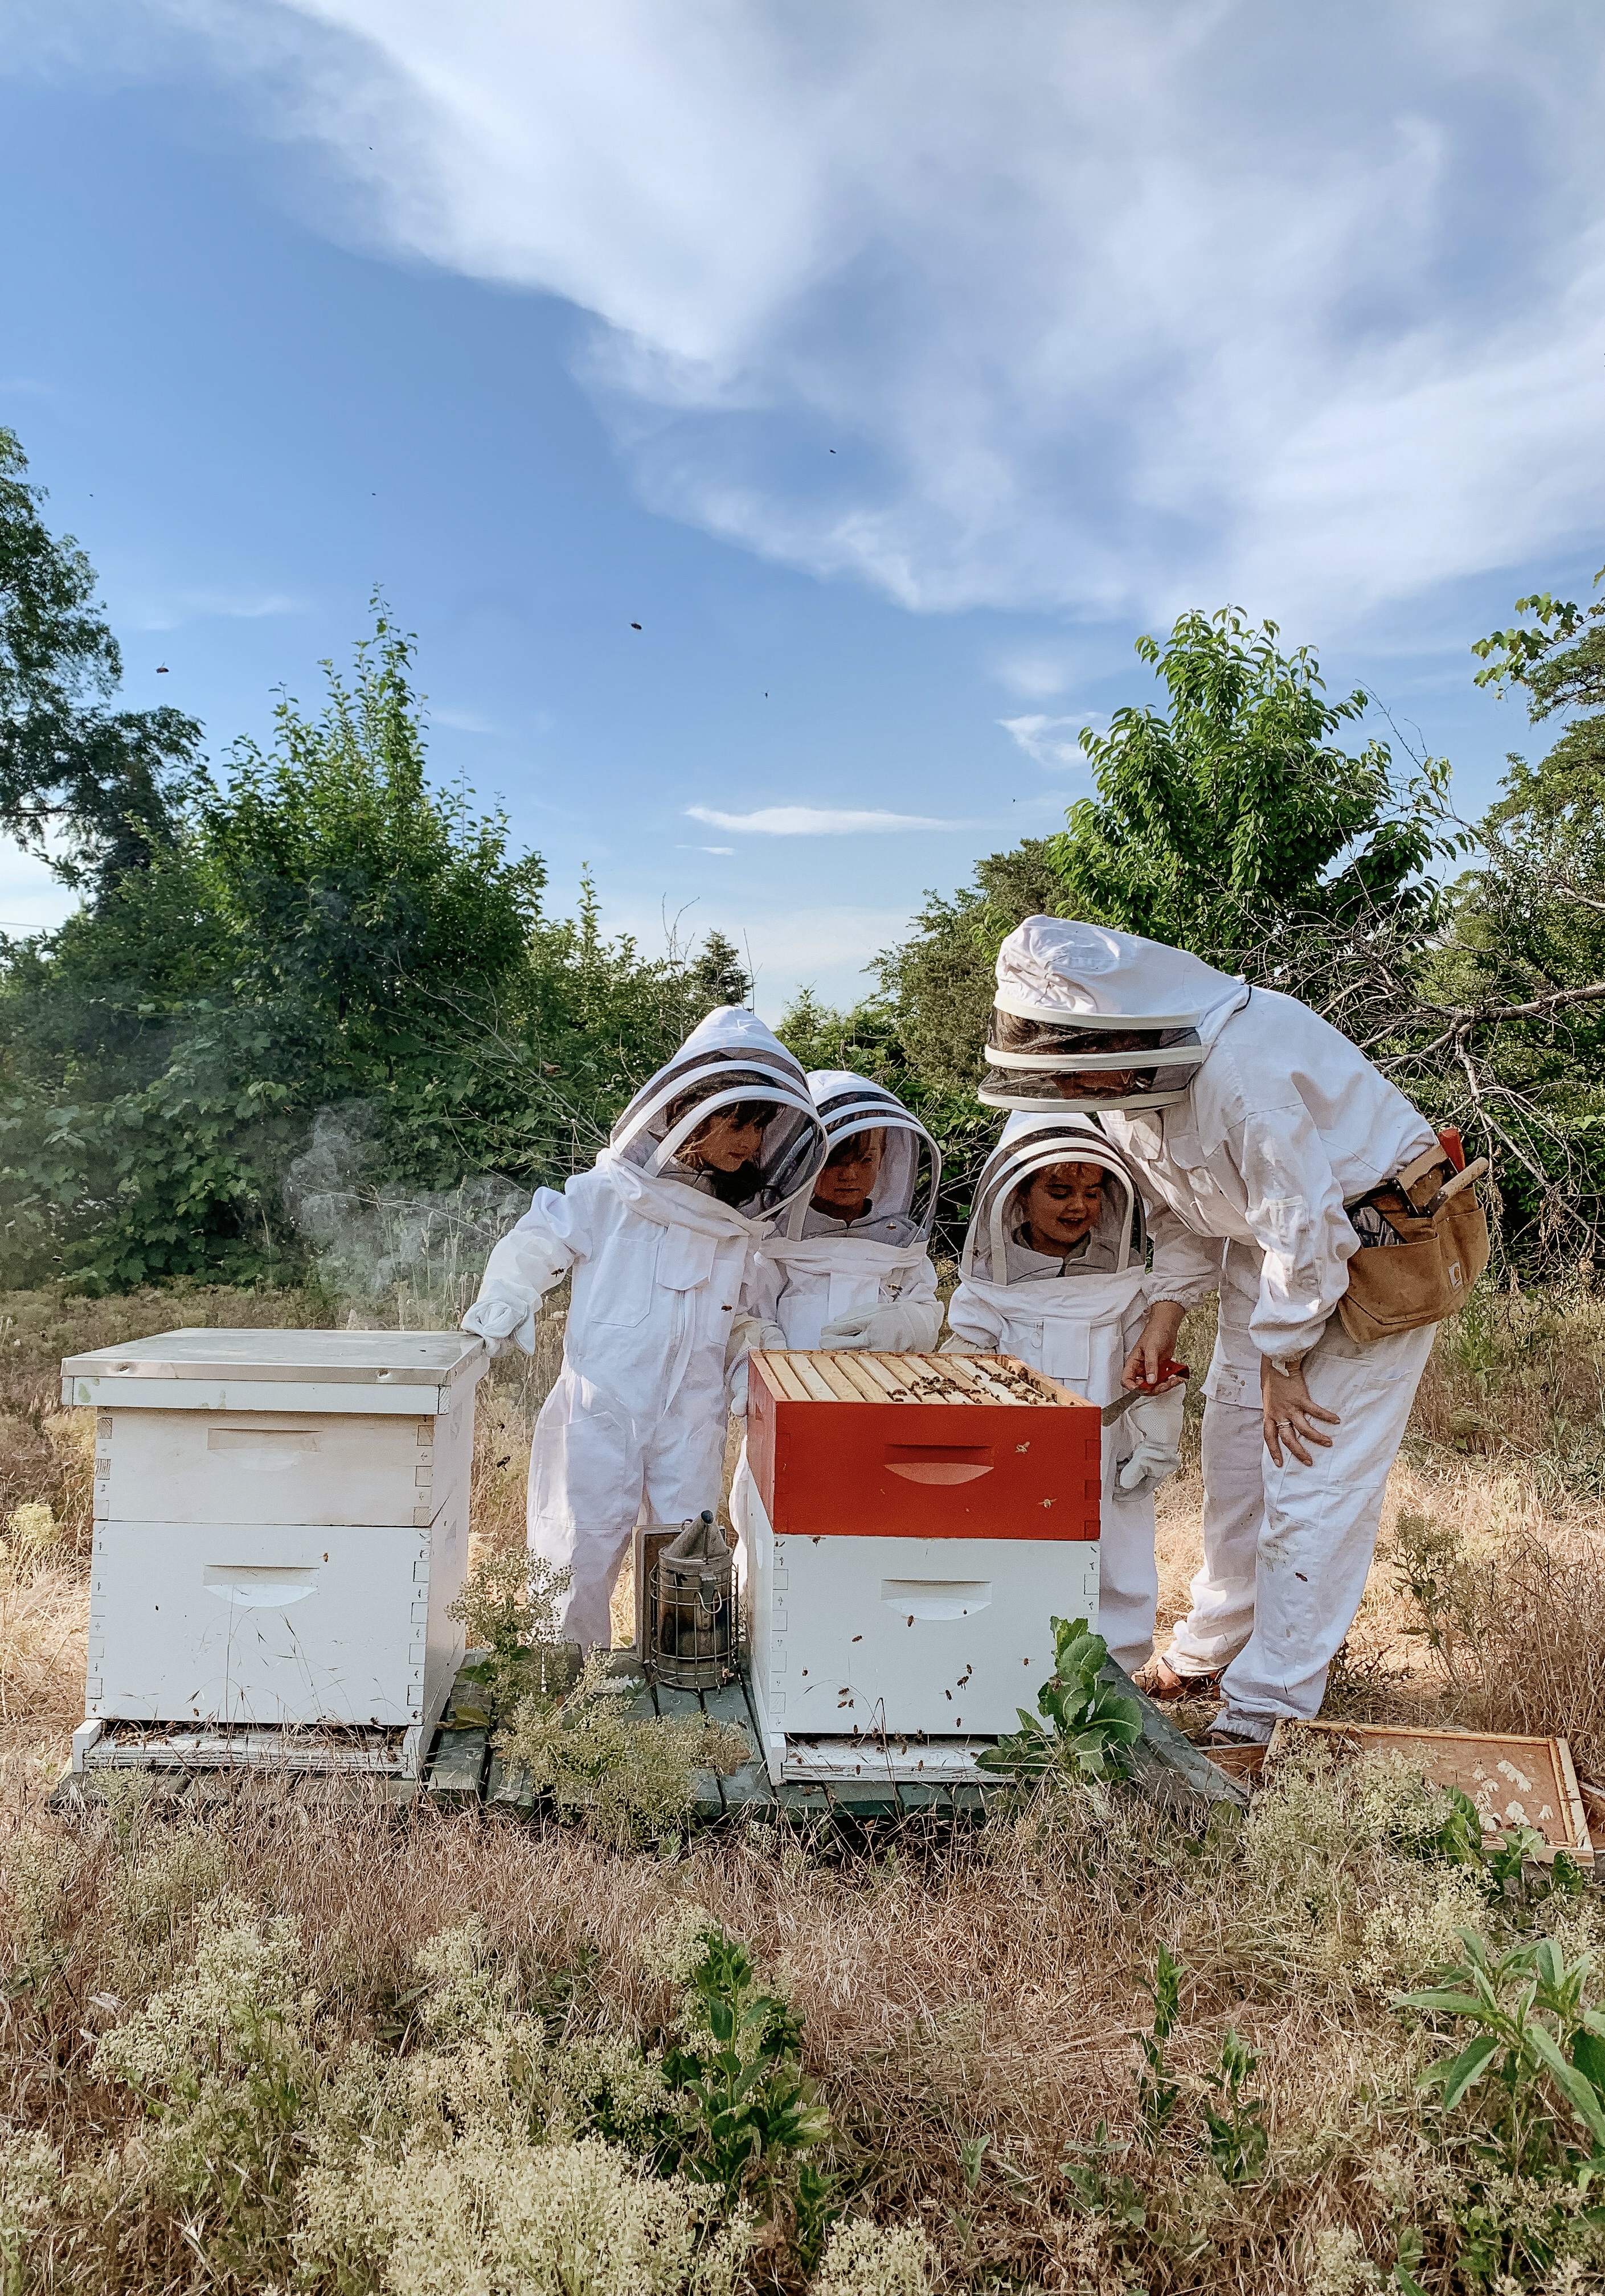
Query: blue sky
[(892, 365)]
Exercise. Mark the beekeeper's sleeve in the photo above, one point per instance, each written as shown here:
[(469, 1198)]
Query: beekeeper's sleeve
[(975, 1326), (554, 1235), (1187, 1267), (1293, 1206)]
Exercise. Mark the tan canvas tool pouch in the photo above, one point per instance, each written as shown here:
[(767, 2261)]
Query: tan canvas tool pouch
[(1434, 1247)]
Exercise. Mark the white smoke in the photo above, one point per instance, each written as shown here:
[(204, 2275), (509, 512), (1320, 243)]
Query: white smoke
[(419, 1255)]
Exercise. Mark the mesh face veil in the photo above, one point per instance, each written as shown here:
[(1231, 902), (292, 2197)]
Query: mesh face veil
[(669, 1127), (1027, 1148), (1038, 1060), (1086, 1019), (905, 1186)]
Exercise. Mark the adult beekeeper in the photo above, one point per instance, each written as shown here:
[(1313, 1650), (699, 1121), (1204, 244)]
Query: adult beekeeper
[(1055, 1270), (848, 1266), (657, 1238), (1260, 1127)]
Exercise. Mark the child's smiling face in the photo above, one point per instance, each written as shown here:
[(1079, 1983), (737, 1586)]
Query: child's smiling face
[(1061, 1206)]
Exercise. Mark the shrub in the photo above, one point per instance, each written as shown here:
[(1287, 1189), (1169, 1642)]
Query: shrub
[(628, 1781)]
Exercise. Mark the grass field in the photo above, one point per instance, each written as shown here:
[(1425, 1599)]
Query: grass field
[(295, 2044)]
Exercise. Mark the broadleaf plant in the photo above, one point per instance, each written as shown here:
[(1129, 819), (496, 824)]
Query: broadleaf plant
[(1084, 1723)]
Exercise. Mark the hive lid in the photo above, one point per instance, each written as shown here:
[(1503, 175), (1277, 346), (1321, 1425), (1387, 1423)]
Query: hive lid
[(343, 1358)]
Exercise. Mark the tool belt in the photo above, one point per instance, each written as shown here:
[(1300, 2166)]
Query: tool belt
[(1427, 1244)]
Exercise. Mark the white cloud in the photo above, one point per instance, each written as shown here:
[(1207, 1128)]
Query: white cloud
[(1110, 305), (184, 606), (811, 821), (1051, 741), (462, 721), (724, 850), (1034, 674)]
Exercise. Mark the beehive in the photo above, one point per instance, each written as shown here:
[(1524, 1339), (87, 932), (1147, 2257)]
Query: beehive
[(913, 1525), (280, 1526)]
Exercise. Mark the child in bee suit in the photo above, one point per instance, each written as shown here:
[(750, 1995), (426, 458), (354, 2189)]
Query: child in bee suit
[(1055, 1270), (657, 1237), (849, 1266)]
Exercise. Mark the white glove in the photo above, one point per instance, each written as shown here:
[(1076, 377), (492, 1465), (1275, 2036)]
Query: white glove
[(901, 1328), (499, 1319), (748, 1334), (1156, 1423)]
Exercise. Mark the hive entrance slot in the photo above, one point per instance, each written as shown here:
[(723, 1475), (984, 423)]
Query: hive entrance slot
[(261, 1586), (936, 1598), (268, 1448), (939, 1462)]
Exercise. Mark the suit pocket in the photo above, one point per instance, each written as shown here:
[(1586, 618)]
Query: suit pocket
[(621, 1284), (685, 1258)]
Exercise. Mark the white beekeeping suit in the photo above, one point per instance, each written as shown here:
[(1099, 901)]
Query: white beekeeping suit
[(657, 1241), (857, 1279), (1077, 1318), (853, 1277), (1258, 1124)]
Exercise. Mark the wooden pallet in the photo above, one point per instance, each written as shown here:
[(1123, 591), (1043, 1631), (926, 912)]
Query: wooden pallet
[(464, 1772), (1163, 1763)]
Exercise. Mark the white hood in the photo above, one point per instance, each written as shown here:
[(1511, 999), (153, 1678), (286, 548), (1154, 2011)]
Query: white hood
[(1055, 968), (1089, 1019), (729, 1056), (905, 1189), (1029, 1144)]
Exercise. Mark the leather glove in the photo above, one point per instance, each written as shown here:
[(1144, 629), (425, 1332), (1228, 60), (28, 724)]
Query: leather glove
[(1156, 1423), (748, 1334), (500, 1320), (898, 1328)]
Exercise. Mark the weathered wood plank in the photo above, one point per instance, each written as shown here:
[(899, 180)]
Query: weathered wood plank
[(457, 1767), (508, 1789), (1163, 1759)]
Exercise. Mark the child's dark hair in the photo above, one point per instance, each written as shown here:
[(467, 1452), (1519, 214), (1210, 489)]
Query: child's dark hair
[(856, 1144)]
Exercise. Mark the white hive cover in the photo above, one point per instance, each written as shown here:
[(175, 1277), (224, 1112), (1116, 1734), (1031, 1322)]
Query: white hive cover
[(351, 1358)]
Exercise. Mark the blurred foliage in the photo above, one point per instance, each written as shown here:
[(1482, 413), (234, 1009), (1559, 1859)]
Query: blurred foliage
[(321, 929)]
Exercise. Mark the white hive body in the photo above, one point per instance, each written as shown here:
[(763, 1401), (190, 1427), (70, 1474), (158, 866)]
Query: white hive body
[(281, 1523), (911, 1526)]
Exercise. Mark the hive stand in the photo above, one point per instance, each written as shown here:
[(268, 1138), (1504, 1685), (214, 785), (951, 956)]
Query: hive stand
[(464, 1772), (463, 1769)]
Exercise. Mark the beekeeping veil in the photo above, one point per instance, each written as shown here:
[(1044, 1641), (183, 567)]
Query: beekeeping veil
[(1032, 1145), (1085, 1018), (730, 1057), (905, 1186)]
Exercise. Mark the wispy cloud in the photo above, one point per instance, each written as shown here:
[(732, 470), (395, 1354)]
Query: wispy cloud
[(462, 721), (725, 850), (185, 606), (812, 820), (1120, 307), (1051, 741)]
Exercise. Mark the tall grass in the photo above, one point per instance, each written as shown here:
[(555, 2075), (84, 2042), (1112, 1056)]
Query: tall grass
[(419, 2052)]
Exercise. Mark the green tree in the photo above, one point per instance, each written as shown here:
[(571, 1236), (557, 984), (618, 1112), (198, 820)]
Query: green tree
[(89, 788), (331, 979), (1235, 824)]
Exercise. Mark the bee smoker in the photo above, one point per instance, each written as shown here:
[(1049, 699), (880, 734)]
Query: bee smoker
[(693, 1633)]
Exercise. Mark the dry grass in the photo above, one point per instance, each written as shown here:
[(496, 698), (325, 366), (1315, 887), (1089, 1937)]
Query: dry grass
[(953, 1988)]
